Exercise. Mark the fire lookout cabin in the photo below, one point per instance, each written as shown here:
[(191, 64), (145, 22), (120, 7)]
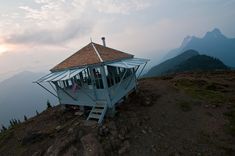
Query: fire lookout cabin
[(96, 76)]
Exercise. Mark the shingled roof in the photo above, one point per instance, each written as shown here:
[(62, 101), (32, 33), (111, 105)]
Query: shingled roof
[(91, 54)]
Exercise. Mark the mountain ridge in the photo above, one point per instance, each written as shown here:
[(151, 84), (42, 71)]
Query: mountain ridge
[(213, 43)]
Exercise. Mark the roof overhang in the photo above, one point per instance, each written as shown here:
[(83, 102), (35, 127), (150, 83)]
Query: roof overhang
[(60, 76), (129, 63)]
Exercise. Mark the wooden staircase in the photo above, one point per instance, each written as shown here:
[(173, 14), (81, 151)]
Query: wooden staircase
[(98, 111)]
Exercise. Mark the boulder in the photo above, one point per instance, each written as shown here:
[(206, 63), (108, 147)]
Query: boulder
[(32, 137), (79, 113), (124, 148), (91, 145)]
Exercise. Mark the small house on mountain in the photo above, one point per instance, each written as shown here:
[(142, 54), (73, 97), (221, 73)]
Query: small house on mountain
[(96, 76)]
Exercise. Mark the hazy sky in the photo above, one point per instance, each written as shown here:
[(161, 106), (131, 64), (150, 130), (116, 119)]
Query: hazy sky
[(35, 35)]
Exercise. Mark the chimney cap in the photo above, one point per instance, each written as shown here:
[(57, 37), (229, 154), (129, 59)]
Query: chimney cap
[(103, 39)]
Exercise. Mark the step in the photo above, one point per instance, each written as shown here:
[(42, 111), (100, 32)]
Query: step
[(94, 116), (97, 110), (100, 105)]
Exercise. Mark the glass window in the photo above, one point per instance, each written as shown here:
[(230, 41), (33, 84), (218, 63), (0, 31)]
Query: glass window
[(115, 74), (98, 78)]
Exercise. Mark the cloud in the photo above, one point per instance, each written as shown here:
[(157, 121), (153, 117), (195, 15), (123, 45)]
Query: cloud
[(51, 22), (121, 6), (72, 30), (54, 22), (140, 27)]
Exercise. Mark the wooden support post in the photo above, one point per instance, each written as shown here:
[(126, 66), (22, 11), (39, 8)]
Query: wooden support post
[(111, 111), (93, 82), (105, 84)]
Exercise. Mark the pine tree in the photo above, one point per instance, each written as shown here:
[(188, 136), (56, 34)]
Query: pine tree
[(3, 128), (25, 118), (15, 121), (11, 123), (37, 113), (48, 104)]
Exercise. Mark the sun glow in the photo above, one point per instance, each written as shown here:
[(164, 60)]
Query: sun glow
[(3, 49)]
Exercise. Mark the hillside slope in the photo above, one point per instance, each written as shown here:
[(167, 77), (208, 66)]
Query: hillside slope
[(19, 96), (184, 114), (199, 63), (167, 65)]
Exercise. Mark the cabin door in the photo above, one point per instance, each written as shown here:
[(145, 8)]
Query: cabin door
[(98, 83)]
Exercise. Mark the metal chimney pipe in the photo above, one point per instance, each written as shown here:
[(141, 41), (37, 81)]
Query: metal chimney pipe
[(103, 39)]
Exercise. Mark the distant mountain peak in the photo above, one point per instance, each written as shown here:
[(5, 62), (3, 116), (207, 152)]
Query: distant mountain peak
[(191, 52), (215, 33), (186, 40), (214, 43)]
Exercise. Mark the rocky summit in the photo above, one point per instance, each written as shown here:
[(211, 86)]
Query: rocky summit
[(181, 114)]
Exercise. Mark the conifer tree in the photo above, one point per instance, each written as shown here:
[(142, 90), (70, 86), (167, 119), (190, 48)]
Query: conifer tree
[(3, 128), (11, 123), (15, 121), (25, 118), (37, 113), (48, 104)]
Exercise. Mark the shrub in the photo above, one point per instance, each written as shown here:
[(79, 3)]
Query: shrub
[(48, 104)]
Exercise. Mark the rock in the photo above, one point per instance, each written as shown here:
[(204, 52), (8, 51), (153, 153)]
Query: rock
[(121, 137), (134, 121), (71, 151), (77, 123), (143, 131), (124, 148), (161, 134), (62, 108), (146, 118), (214, 106), (114, 133), (62, 146), (79, 113), (124, 130), (58, 128), (32, 137), (147, 101), (37, 154), (206, 106), (70, 131), (50, 150), (154, 148), (80, 133), (177, 154), (115, 143), (91, 145), (103, 131), (150, 130), (112, 125), (90, 123)]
